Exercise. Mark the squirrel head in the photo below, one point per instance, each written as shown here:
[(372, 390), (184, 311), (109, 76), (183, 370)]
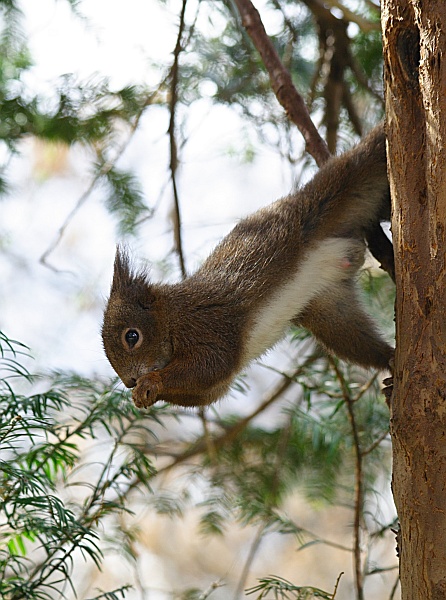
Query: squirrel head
[(135, 329)]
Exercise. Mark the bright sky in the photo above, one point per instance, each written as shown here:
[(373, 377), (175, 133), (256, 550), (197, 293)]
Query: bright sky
[(113, 39)]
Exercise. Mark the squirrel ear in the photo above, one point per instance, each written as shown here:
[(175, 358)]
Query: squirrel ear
[(123, 275), (126, 280)]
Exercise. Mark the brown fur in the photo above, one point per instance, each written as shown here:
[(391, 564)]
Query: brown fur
[(194, 335)]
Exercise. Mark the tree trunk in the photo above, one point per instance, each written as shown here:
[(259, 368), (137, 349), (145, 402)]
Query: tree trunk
[(415, 80)]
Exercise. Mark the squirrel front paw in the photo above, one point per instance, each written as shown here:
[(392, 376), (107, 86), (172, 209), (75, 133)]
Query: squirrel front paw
[(147, 389)]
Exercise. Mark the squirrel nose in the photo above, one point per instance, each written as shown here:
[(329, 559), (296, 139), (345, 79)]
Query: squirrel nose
[(130, 382)]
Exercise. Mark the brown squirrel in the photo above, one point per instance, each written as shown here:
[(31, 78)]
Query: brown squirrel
[(293, 262)]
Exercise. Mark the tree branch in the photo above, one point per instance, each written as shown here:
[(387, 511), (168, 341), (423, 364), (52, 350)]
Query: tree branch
[(174, 74), (359, 492), (363, 24), (281, 82), (233, 431), (255, 545), (294, 104)]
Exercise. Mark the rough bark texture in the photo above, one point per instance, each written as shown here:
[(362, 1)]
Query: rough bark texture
[(415, 77)]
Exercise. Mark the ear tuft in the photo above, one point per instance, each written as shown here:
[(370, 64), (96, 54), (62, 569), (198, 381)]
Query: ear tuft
[(124, 274)]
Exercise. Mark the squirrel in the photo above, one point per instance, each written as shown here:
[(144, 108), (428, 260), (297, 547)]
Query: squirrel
[(292, 262)]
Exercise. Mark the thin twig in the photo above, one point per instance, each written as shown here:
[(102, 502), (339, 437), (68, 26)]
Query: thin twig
[(174, 74), (314, 536), (135, 554), (207, 436), (363, 24), (359, 492), (61, 231), (379, 532), (375, 444), (365, 388), (213, 586), (380, 570), (247, 566), (337, 584), (324, 541), (394, 588), (103, 170)]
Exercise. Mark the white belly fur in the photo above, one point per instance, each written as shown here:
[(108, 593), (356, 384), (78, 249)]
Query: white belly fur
[(323, 266)]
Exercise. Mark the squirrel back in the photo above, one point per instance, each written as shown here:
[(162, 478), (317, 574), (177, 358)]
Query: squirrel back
[(294, 261)]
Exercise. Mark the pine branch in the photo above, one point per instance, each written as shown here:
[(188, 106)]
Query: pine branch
[(104, 169), (233, 431)]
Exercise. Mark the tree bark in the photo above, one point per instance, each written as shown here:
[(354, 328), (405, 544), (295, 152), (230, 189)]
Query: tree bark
[(415, 81)]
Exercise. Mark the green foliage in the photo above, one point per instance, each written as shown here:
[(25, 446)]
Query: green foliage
[(47, 450), (125, 198), (86, 112), (368, 52), (237, 73), (81, 111), (308, 447), (43, 438), (284, 589), (115, 595)]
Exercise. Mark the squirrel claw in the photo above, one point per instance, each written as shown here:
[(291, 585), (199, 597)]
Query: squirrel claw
[(388, 389), (147, 389)]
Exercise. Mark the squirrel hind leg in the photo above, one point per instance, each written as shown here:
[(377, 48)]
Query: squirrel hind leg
[(337, 320), (354, 259)]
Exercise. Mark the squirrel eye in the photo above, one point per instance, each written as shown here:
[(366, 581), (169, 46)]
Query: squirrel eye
[(131, 337)]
